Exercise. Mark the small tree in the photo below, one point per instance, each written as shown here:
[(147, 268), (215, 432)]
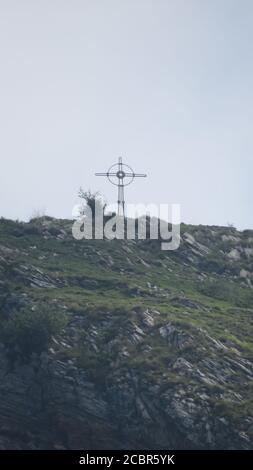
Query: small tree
[(91, 199), (37, 214)]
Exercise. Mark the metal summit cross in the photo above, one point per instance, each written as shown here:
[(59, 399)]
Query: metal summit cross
[(121, 175)]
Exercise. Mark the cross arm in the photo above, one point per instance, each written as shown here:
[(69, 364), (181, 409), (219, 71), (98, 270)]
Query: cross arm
[(138, 175), (106, 174)]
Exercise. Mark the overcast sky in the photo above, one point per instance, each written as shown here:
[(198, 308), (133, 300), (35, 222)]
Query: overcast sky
[(166, 84)]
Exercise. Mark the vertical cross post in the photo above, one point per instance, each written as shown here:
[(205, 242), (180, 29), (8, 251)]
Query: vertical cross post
[(121, 199)]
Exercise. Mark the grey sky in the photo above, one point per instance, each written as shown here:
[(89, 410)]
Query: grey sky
[(166, 84)]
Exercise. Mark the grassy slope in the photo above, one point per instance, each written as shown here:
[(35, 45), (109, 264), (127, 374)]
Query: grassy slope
[(122, 272)]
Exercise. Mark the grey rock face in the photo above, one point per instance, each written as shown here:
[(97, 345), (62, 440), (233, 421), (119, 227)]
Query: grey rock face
[(47, 402)]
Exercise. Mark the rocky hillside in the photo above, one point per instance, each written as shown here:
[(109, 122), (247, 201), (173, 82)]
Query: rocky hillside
[(117, 344)]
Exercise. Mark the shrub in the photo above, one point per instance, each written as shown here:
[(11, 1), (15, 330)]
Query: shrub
[(28, 331), (222, 290)]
